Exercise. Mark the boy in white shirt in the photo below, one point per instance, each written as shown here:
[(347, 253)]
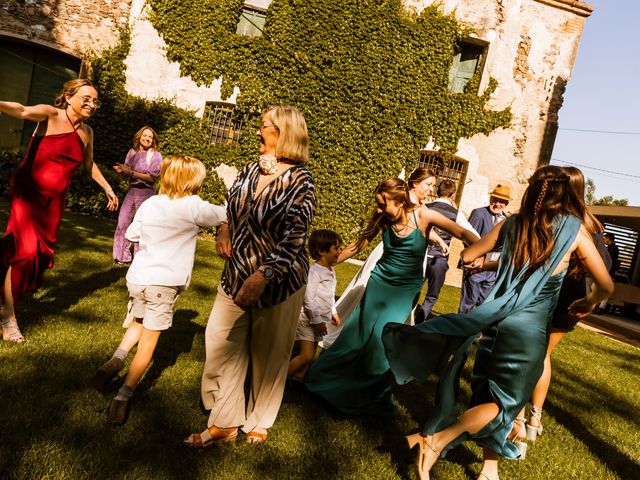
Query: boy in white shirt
[(319, 306), (165, 226)]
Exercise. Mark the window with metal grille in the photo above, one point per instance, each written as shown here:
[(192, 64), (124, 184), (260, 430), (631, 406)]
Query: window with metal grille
[(468, 60), (252, 18), (454, 169), (221, 125)]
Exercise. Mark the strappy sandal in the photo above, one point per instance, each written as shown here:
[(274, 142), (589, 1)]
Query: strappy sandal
[(518, 439), (534, 431), (14, 335), (218, 435), (423, 454), (254, 437)]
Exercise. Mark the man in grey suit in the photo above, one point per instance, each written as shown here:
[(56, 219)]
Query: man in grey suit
[(476, 286)]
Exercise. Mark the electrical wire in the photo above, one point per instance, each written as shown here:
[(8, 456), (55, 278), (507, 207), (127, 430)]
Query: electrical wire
[(611, 132), (623, 175)]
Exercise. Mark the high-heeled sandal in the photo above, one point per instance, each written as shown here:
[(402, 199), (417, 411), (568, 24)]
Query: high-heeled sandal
[(519, 437), (534, 431), (425, 450), (14, 335)]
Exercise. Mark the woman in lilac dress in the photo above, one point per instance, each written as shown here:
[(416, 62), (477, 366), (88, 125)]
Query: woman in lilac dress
[(142, 166)]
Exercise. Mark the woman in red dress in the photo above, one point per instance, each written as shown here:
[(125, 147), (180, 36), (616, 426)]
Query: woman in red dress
[(59, 145)]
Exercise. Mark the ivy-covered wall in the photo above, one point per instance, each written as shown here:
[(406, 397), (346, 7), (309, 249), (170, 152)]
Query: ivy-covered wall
[(369, 76)]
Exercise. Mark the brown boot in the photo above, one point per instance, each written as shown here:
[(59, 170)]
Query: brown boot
[(105, 374)]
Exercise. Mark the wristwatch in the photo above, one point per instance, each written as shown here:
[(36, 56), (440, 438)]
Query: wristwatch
[(267, 272)]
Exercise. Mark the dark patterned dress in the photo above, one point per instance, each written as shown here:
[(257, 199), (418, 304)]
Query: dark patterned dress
[(270, 229)]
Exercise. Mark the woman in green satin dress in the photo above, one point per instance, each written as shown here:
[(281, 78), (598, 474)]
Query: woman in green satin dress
[(514, 321), (353, 374)]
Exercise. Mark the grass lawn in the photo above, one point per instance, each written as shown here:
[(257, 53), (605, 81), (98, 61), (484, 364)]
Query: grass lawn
[(52, 425)]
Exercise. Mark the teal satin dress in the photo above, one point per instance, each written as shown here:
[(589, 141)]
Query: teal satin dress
[(353, 374), (514, 321)]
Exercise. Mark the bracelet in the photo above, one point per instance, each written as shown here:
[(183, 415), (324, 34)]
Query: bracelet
[(108, 191)]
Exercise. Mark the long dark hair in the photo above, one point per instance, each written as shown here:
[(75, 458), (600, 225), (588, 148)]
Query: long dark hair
[(395, 189), (590, 222), (546, 197), (576, 191), (420, 174)]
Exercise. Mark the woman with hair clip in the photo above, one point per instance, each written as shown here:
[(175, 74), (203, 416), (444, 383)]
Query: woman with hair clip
[(142, 167), (60, 144), (353, 374), (255, 313), (514, 320), (421, 186), (562, 321)]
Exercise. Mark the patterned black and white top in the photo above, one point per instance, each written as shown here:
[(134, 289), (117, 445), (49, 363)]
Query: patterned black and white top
[(270, 230)]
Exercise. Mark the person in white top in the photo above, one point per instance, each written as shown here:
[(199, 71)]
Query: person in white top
[(165, 227), (319, 307)]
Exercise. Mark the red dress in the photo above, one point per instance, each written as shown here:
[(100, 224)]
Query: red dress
[(38, 193)]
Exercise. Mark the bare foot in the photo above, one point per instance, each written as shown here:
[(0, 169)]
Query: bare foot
[(11, 331)]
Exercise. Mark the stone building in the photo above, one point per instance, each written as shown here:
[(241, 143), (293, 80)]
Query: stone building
[(528, 46), (42, 43)]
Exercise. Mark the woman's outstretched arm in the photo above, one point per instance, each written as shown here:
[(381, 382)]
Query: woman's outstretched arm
[(485, 245), (35, 113), (431, 217)]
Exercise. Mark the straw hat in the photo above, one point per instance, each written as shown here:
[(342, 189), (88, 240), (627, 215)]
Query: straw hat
[(503, 192)]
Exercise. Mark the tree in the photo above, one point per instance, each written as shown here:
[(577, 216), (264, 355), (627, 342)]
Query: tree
[(591, 199)]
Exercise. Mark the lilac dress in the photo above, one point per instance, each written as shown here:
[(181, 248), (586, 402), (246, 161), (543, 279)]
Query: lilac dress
[(139, 191)]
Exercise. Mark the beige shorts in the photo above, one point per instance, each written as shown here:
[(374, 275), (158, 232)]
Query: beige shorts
[(153, 304), (304, 330)]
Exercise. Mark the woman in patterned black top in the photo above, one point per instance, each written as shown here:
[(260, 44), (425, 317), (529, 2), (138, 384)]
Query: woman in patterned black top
[(254, 316)]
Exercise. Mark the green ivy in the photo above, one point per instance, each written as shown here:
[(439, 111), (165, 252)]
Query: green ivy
[(370, 77)]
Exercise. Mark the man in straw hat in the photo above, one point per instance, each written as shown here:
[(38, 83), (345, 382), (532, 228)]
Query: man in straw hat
[(476, 286)]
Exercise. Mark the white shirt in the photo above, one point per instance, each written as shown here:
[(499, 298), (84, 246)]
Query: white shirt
[(166, 231), (319, 297)]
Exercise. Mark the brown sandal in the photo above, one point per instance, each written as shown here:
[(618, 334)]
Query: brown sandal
[(254, 437), (218, 435)]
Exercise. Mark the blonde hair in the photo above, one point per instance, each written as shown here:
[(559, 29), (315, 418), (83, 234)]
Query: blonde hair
[(181, 176), (69, 89), (138, 135), (293, 141)]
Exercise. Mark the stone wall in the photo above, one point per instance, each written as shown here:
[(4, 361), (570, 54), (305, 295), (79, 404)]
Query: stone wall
[(532, 50), (71, 26), (147, 54)]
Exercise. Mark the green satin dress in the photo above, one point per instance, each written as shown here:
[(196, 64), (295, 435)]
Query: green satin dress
[(353, 374), (514, 321)]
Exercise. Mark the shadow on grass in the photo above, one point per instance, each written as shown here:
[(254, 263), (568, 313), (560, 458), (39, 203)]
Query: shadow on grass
[(582, 399), (171, 344), (62, 293)]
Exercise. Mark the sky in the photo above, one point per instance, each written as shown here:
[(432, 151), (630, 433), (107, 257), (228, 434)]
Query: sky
[(604, 94)]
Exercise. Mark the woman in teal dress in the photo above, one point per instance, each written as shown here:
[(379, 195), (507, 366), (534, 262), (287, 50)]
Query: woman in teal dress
[(353, 374), (514, 321)]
